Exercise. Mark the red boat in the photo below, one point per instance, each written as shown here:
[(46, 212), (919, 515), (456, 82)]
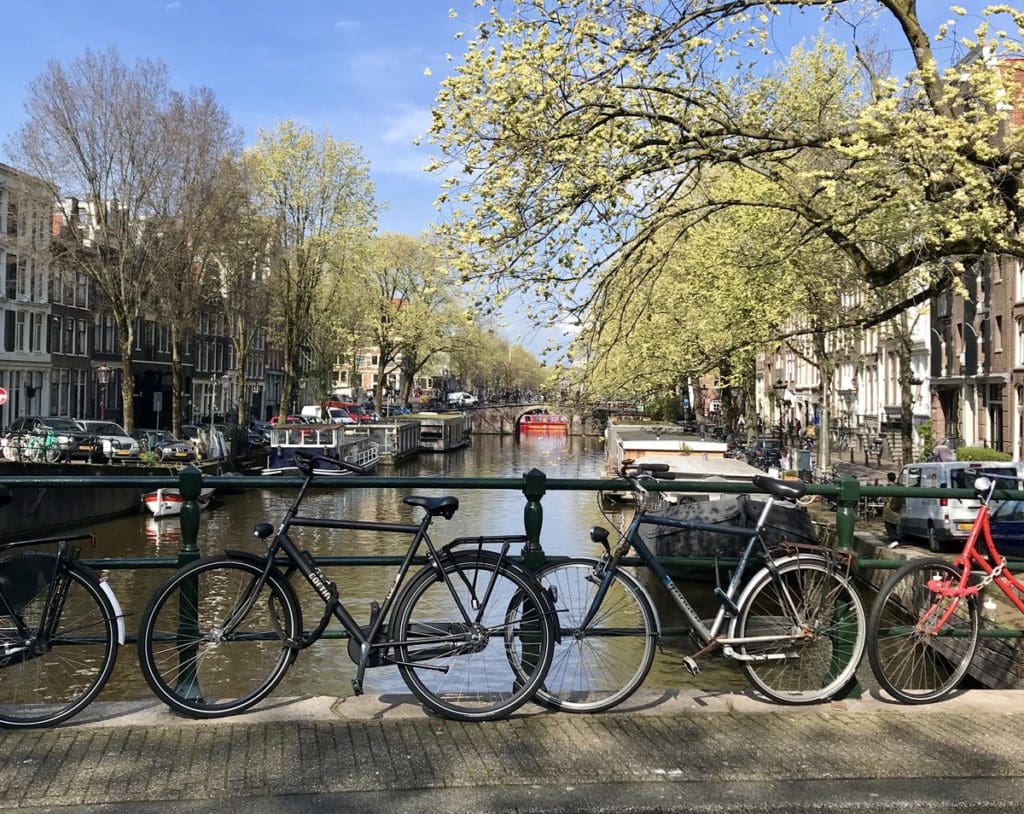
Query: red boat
[(544, 422)]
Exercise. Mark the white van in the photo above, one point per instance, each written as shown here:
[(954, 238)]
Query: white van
[(946, 522), (330, 415)]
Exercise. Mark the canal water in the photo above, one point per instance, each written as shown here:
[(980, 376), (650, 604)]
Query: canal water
[(324, 668)]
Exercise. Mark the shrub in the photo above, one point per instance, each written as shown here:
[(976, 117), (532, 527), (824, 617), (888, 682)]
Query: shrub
[(982, 454)]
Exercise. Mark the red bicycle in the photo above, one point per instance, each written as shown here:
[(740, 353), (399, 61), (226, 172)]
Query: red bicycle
[(924, 626)]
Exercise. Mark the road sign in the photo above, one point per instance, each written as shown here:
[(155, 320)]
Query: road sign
[(3, 396)]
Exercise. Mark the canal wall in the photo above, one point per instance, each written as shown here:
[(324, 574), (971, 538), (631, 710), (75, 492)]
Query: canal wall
[(35, 511)]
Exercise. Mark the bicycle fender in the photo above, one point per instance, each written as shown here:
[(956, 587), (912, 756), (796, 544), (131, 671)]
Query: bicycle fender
[(118, 613), (755, 580)]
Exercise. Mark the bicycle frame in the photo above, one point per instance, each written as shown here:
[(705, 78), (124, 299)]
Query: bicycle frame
[(56, 591), (710, 637), (366, 637), (967, 561)]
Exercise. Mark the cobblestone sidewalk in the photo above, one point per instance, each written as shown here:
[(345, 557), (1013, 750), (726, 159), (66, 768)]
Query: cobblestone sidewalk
[(673, 752)]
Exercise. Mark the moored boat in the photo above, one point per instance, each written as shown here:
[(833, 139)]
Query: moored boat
[(329, 441), (168, 502), (543, 422)]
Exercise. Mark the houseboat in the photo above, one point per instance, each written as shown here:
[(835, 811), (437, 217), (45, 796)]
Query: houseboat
[(397, 439), (168, 502), (688, 457), (441, 432), (544, 422), (327, 440)]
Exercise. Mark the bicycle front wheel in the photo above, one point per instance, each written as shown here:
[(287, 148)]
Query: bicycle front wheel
[(810, 630), (475, 642), (54, 674), (920, 641), (600, 665), (214, 641)]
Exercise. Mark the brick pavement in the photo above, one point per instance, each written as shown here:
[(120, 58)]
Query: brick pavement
[(683, 751)]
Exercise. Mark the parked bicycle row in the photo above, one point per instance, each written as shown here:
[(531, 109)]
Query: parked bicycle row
[(473, 634)]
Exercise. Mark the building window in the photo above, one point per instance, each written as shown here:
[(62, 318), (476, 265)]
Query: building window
[(1019, 356), (82, 300), (12, 218), (19, 331), (35, 339), (11, 277), (83, 338), (997, 338)]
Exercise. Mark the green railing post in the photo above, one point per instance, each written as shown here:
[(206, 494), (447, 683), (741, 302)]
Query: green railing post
[(535, 485), (846, 517), (190, 483), (846, 511)]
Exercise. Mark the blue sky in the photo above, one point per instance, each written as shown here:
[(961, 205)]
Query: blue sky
[(352, 67)]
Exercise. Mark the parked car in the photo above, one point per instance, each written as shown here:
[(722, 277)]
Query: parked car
[(944, 523), (47, 438), (1007, 525), (115, 443), (395, 410), (165, 445), (461, 399)]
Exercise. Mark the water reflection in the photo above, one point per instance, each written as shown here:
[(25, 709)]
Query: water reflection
[(325, 668)]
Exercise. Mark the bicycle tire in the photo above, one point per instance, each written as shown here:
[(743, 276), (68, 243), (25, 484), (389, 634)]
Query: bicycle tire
[(56, 678), (912, 662), (831, 615), (598, 668), (480, 681), (225, 673)]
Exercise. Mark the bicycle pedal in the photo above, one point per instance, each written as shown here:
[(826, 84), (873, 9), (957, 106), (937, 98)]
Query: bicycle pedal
[(691, 666)]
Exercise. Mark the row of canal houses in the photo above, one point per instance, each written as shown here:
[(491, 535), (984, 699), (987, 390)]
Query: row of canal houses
[(966, 359), (58, 344), (967, 371)]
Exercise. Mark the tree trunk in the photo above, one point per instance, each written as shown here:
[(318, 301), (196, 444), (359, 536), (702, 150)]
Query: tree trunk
[(127, 380), (176, 384)]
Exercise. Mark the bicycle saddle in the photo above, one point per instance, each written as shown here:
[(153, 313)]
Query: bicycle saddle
[(786, 489), (444, 506)]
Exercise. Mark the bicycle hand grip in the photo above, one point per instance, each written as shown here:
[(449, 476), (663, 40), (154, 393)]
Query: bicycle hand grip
[(652, 467)]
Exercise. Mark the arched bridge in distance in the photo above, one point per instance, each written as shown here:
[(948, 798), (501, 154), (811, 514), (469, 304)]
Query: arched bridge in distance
[(503, 419)]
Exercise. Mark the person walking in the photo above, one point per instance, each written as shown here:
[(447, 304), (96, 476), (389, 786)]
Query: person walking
[(891, 513)]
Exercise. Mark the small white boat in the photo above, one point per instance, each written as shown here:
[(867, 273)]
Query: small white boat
[(168, 502)]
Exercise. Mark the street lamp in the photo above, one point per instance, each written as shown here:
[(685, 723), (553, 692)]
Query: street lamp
[(780, 393), (103, 378)]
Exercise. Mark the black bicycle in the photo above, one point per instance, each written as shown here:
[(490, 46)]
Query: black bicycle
[(60, 628), (471, 632)]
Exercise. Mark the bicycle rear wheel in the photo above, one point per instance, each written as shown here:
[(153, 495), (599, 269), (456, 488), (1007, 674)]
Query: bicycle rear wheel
[(50, 678), (914, 659), (820, 621), (201, 654), (596, 667), (484, 667)]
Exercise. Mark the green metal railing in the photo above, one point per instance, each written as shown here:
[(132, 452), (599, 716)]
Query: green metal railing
[(534, 485)]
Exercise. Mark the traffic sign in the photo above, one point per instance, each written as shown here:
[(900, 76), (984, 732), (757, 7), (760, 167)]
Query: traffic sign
[(3, 396)]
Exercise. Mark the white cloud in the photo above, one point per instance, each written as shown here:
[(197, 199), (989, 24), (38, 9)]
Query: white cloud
[(172, 6), (347, 24)]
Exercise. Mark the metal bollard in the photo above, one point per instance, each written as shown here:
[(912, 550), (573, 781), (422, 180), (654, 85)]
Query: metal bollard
[(534, 488)]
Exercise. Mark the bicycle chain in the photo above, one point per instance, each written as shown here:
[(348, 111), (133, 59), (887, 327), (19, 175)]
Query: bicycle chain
[(988, 579)]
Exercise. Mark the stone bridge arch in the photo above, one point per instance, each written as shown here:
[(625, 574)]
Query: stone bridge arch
[(503, 419)]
